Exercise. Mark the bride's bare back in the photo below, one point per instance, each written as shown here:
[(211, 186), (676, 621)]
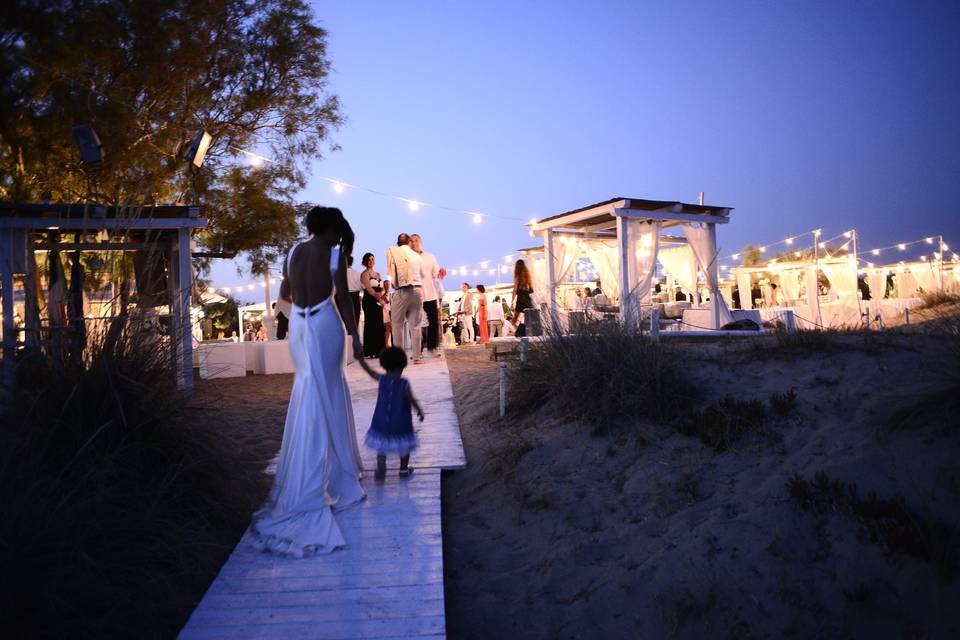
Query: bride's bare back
[(309, 275)]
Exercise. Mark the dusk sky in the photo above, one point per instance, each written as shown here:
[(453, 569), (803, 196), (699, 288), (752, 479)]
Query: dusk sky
[(798, 115)]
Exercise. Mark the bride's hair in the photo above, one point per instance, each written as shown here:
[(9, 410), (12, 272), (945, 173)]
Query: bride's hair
[(323, 219)]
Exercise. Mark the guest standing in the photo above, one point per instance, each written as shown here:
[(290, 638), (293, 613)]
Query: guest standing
[(482, 314), (495, 317), (373, 342), (429, 272), (282, 307), (522, 295), (387, 327), (354, 286), (465, 315), (403, 270)]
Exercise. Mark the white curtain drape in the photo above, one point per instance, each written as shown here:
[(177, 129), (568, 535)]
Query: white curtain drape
[(680, 263), (745, 287), (789, 281), (643, 241), (704, 248), (877, 281), (538, 271), (813, 293), (926, 275), (845, 309), (906, 284), (603, 255)]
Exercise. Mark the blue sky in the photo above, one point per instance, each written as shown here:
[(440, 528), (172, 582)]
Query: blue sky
[(798, 115)]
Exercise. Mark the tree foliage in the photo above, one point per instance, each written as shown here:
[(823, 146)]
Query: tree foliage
[(149, 75)]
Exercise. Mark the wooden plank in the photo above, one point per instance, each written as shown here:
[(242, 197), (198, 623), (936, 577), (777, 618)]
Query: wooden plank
[(388, 582)]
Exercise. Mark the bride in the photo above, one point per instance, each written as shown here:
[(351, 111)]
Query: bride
[(318, 470)]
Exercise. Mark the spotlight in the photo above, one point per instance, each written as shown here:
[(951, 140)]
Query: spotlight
[(91, 151), (198, 149)]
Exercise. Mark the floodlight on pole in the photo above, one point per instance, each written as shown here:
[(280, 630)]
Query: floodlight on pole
[(91, 151), (198, 149)]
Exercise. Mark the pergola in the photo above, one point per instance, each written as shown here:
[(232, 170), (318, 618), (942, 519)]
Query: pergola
[(638, 227), (28, 228)]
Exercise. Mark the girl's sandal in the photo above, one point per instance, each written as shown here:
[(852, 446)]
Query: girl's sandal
[(406, 473), (381, 471)]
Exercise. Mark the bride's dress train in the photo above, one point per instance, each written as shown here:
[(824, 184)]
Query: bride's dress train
[(319, 466)]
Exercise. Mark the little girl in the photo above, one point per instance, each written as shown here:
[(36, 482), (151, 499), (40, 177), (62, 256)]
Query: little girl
[(391, 430)]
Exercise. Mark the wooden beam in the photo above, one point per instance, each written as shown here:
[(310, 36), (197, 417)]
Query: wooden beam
[(579, 216), (551, 272), (91, 224), (624, 258), (670, 215)]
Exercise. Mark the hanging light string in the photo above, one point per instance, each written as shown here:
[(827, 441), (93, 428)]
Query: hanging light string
[(786, 241), (902, 246), (413, 204)]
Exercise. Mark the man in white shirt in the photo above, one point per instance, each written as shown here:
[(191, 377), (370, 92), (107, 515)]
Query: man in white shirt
[(465, 315), (354, 286), (429, 272), (495, 317), (404, 272)]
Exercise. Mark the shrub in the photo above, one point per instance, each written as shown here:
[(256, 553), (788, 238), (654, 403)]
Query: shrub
[(885, 521), (783, 403), (603, 374), (931, 299), (115, 509), (723, 423)]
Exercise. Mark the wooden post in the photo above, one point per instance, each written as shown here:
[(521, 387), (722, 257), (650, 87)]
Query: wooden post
[(714, 277), (503, 388), (524, 345), (624, 260), (548, 239), (655, 323), (184, 280), (8, 374), (906, 317), (789, 321)]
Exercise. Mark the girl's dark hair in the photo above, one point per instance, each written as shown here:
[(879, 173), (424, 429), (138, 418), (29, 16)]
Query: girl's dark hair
[(366, 257), (393, 359), (322, 219), (521, 275), (481, 288)]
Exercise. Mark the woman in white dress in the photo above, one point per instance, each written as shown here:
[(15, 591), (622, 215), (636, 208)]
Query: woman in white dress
[(319, 467)]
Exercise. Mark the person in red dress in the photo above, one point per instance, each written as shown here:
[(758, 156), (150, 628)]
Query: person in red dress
[(482, 314)]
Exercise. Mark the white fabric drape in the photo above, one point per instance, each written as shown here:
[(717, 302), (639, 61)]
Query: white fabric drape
[(906, 284), (842, 275), (643, 241), (789, 281), (603, 255), (538, 271), (566, 252), (744, 285), (877, 281), (813, 290), (680, 263), (926, 276), (704, 248)]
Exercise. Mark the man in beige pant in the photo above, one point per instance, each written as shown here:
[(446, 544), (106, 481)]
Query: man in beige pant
[(406, 302)]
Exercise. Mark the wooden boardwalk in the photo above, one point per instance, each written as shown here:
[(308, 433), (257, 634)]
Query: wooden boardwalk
[(388, 582)]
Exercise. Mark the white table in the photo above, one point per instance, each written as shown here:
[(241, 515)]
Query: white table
[(221, 360)]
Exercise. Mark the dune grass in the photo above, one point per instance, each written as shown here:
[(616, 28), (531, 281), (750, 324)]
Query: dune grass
[(117, 511)]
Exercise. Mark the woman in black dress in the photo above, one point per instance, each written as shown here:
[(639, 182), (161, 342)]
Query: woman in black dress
[(372, 310), (522, 295)]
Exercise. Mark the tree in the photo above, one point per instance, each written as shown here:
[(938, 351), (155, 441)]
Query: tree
[(149, 75)]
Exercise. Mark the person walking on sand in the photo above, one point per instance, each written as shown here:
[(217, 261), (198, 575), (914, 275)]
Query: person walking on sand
[(391, 430), (465, 315), (403, 271), (482, 314), (319, 467), (495, 317)]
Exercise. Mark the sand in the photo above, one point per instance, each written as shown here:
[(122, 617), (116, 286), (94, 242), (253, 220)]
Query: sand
[(552, 532)]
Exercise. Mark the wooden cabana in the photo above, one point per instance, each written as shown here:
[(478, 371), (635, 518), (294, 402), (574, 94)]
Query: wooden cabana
[(26, 229), (638, 227)]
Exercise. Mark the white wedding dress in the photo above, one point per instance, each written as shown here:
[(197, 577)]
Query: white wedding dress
[(318, 470)]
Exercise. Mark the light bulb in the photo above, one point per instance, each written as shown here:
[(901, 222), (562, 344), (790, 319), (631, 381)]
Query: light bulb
[(507, 258), (491, 271), (847, 234), (475, 272), (413, 205), (735, 256), (273, 281), (823, 245), (902, 247), (250, 287), (763, 249), (338, 187), (789, 240), (929, 240), (477, 218), (797, 254), (532, 221)]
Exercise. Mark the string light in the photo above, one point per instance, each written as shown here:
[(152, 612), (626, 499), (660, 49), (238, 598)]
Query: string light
[(338, 187), (413, 205), (789, 240), (477, 218), (902, 247), (929, 240)]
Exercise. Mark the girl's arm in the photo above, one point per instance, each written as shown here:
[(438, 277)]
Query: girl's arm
[(414, 403), (366, 367)]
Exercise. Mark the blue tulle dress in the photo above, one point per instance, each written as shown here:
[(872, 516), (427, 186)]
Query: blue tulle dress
[(391, 430)]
